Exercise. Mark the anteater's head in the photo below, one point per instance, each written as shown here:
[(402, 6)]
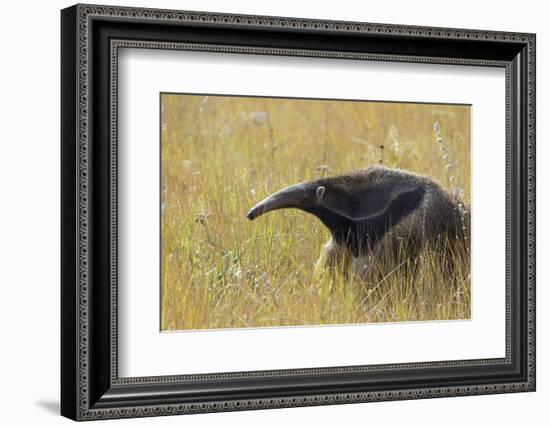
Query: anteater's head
[(304, 196), (358, 208)]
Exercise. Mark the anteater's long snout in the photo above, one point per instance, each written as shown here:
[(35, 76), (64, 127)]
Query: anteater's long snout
[(253, 213), (294, 196)]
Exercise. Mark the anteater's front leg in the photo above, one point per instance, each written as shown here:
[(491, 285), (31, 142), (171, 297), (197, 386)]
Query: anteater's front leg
[(334, 258)]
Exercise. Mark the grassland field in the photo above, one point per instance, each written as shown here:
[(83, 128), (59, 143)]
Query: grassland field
[(220, 155)]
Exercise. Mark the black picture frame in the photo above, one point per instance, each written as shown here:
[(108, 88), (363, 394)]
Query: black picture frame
[(90, 386)]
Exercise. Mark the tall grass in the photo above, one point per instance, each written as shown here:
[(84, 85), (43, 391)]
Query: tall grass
[(220, 155)]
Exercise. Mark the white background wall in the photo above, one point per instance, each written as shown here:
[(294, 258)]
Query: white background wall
[(29, 211)]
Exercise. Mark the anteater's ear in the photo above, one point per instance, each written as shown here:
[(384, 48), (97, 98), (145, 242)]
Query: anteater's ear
[(319, 193)]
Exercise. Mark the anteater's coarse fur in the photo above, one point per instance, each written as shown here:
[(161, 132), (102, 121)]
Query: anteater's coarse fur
[(379, 218)]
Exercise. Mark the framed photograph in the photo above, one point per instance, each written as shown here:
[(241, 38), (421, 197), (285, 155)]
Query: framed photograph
[(263, 212)]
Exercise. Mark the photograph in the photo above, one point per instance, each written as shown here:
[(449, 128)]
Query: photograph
[(283, 212)]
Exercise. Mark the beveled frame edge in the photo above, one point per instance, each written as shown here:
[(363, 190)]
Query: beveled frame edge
[(115, 46), (75, 304)]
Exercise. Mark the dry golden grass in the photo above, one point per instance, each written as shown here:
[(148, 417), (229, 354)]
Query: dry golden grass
[(220, 155)]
